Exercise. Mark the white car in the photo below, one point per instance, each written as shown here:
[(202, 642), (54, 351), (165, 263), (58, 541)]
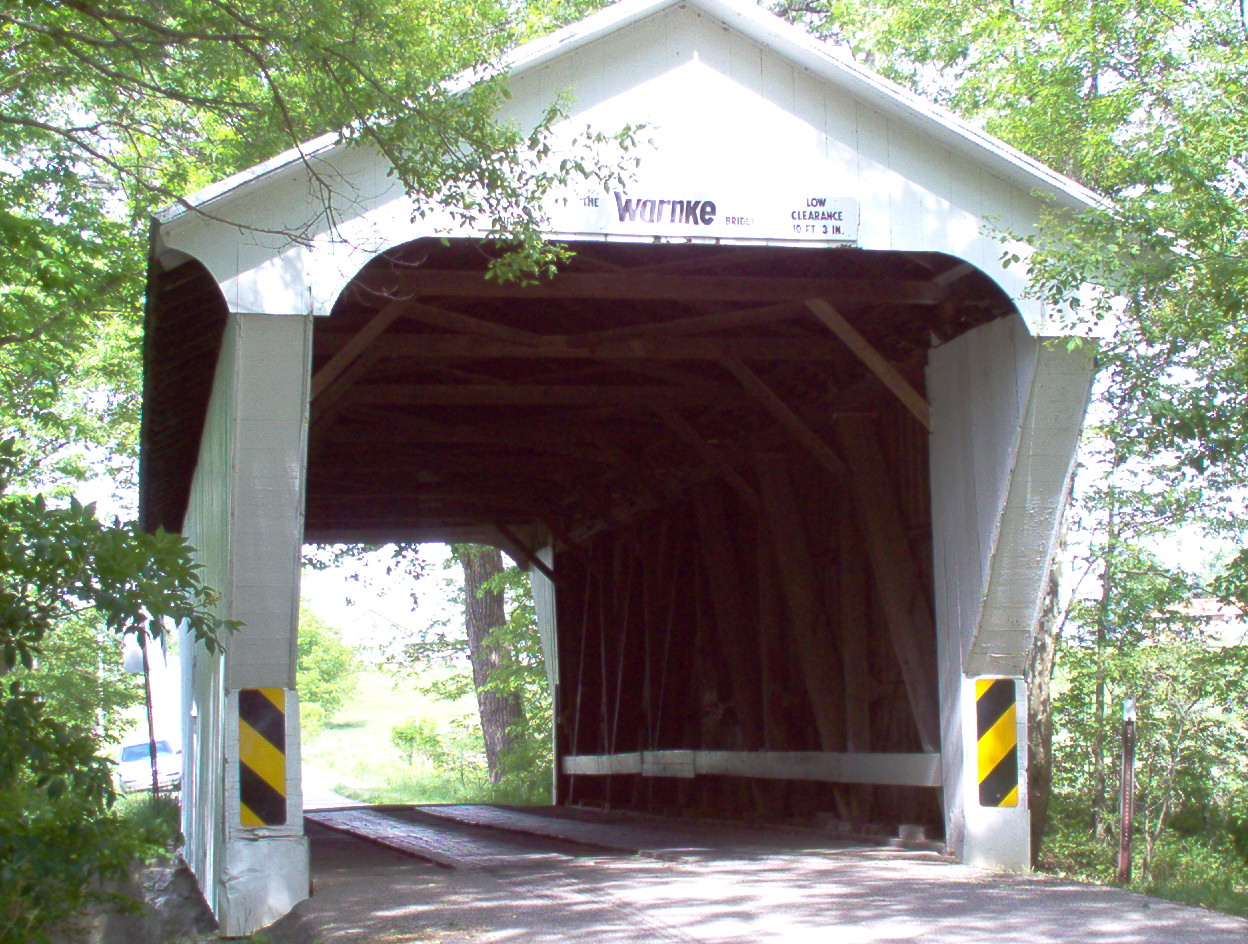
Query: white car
[(134, 770)]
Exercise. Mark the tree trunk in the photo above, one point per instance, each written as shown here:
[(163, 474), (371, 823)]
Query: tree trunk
[(1040, 663), (1100, 825), (483, 614)]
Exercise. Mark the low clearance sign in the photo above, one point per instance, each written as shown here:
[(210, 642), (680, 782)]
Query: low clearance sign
[(652, 212)]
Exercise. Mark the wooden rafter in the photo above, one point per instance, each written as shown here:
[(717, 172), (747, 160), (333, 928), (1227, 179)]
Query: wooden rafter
[(586, 257), (698, 324), (465, 492), (527, 553), (333, 397), (539, 435), (784, 414), (873, 359), (709, 454), (360, 342), (466, 324)]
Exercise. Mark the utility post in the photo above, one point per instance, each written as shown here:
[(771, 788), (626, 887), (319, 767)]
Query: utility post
[(1126, 791), (151, 724)]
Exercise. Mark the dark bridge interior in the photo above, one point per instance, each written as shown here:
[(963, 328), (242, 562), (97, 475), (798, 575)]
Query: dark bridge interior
[(726, 448)]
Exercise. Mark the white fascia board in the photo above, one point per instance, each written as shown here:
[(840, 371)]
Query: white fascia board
[(317, 147), (539, 51), (769, 31)]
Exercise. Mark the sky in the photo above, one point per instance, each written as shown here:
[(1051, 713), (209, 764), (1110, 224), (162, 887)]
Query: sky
[(370, 607)]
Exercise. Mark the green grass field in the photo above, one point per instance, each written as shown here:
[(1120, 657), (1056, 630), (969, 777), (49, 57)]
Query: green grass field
[(353, 754)]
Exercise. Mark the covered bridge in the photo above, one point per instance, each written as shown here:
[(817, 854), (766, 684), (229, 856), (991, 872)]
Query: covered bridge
[(783, 445)]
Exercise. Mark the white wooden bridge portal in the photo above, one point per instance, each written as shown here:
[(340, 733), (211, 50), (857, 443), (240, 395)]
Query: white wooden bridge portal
[(783, 445)]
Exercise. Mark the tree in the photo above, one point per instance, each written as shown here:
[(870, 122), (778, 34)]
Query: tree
[(500, 704), (505, 670), (59, 564), (80, 664), (107, 111), (1142, 101), (1139, 641), (526, 766), (327, 672)]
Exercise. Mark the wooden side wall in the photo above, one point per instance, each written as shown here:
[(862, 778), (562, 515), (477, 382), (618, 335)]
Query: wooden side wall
[(714, 625)]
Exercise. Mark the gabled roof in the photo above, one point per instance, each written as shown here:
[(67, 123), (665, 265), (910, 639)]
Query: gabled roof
[(772, 33)]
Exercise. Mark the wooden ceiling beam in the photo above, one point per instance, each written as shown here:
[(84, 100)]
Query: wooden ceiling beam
[(639, 347), (712, 259), (699, 324), (435, 462), (334, 398), (360, 342), (619, 396), (709, 455), (414, 284), (437, 505), (528, 554), (522, 479), (370, 528), (875, 362), (351, 441), (466, 324), (385, 531)]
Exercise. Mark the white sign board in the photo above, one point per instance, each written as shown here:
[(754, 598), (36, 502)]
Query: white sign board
[(673, 212)]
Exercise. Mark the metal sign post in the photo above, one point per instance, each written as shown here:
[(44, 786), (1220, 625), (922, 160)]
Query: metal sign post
[(151, 726), (1126, 791)]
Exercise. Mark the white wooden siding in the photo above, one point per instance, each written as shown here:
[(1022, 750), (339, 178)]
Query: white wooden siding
[(245, 517), (977, 386), (1007, 409), (1032, 510), (207, 528)]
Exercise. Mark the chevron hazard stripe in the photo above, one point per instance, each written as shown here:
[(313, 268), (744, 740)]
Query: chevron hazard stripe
[(262, 756), (997, 731)]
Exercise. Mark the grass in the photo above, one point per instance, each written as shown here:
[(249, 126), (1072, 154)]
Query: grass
[(1203, 869), (353, 754), (159, 817)]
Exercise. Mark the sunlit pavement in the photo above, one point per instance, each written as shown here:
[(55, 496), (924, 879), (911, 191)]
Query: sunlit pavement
[(318, 793), (368, 893)]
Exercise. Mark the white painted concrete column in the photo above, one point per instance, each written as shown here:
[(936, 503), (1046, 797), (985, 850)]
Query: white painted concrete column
[(246, 519), (544, 611), (1007, 410), (998, 830)]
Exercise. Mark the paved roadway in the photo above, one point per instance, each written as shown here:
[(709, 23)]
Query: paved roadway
[(641, 880), (318, 793)]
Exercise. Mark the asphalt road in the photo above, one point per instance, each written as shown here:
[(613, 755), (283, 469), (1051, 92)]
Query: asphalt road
[(726, 890)]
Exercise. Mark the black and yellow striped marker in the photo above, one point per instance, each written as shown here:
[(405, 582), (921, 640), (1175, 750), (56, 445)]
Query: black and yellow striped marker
[(262, 756), (996, 728)]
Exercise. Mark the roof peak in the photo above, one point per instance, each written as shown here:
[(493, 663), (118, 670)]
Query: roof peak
[(769, 31)]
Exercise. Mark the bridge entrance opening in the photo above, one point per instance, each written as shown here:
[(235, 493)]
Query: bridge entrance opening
[(422, 678), (714, 462)]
